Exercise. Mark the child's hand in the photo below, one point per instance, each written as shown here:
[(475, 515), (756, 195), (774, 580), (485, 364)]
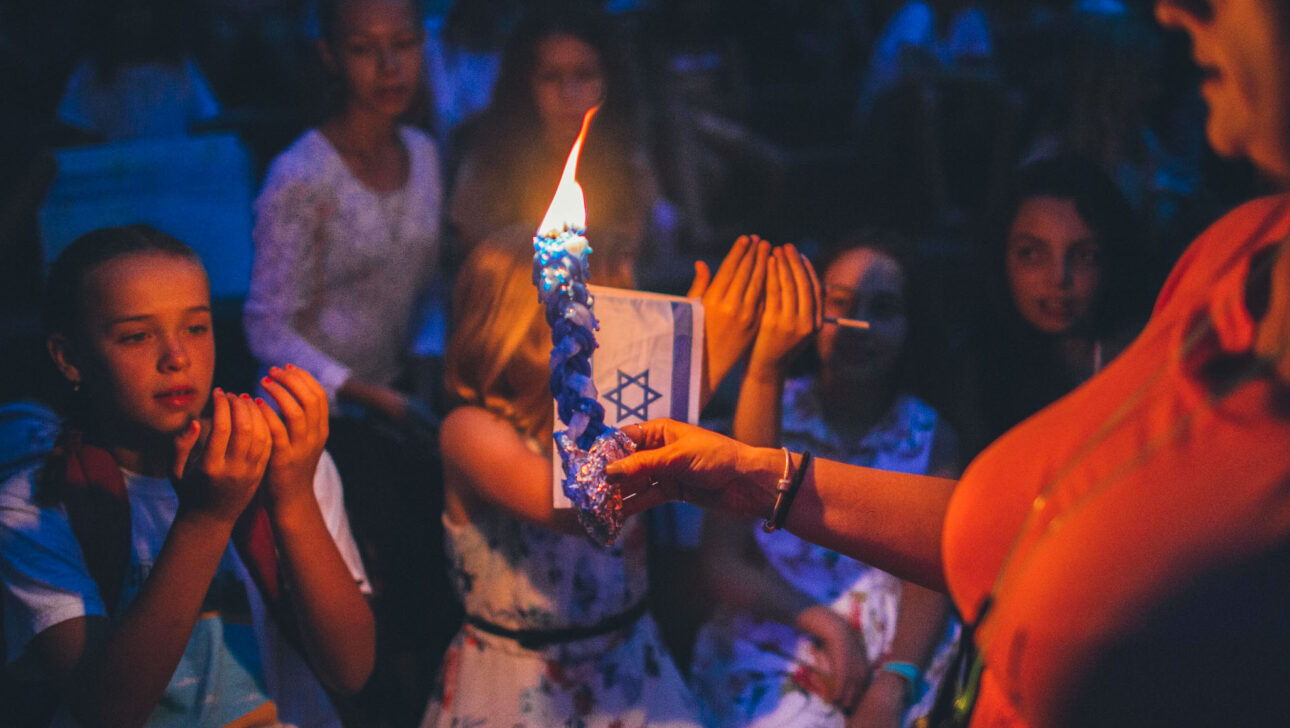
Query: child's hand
[(299, 435), (732, 304), (792, 313), (219, 476)]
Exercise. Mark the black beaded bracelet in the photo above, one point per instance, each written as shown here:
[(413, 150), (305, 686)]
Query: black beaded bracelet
[(785, 492)]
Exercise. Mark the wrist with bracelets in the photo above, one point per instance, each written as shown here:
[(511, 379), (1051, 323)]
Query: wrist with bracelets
[(786, 490)]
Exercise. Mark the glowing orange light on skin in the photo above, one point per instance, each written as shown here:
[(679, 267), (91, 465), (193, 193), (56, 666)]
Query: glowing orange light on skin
[(567, 208)]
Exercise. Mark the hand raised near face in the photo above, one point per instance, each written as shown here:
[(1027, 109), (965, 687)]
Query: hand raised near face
[(732, 305), (216, 476), (299, 432), (792, 313)]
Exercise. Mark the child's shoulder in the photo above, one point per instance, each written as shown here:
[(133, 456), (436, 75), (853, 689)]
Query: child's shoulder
[(419, 143), (470, 429), (302, 160)]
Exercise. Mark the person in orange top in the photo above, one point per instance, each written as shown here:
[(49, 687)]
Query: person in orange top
[(1123, 555)]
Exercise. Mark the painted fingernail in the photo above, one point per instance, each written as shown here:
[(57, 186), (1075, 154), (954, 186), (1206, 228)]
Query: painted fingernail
[(259, 400), (245, 395), (219, 391), (288, 367), (266, 380)]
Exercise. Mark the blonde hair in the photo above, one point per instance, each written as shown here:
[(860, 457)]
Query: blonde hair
[(499, 338), (499, 342)]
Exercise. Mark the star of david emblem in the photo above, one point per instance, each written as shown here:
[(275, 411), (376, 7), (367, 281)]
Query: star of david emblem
[(628, 382)]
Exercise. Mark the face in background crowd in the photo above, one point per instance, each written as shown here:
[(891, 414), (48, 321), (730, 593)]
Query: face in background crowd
[(865, 284), (568, 79), (1241, 49), (145, 354), (376, 48), (1053, 263)]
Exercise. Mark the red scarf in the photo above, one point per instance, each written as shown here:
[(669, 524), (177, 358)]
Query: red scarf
[(87, 480)]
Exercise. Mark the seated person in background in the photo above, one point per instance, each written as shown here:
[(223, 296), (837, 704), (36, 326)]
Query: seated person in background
[(555, 67), (119, 581), (139, 80), (804, 636), (1061, 266)]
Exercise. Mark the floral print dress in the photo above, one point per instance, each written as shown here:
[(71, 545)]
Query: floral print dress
[(748, 672), (522, 577)]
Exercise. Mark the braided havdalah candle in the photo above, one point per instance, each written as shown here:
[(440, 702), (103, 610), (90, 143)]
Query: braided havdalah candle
[(560, 272)]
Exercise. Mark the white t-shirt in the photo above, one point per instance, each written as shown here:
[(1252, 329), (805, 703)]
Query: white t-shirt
[(236, 663)]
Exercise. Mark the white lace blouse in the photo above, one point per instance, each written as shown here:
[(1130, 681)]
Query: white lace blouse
[(338, 266)]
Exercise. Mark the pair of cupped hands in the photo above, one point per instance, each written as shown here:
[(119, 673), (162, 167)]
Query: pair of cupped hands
[(220, 464), (762, 295)]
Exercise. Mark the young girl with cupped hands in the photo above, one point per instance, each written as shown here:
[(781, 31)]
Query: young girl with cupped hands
[(182, 549)]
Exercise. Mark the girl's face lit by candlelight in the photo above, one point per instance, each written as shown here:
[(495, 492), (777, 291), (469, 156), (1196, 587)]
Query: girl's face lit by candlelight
[(145, 354), (567, 80), (376, 49), (868, 285)]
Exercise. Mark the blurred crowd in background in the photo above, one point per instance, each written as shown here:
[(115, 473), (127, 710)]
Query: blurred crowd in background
[(927, 126)]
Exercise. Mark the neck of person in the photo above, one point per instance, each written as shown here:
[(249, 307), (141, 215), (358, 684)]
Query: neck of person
[(855, 406), (361, 131), (134, 448), (559, 141)]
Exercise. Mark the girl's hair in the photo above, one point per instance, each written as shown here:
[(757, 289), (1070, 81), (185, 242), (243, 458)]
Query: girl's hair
[(507, 137), (63, 307), (499, 336), (329, 18), (1103, 208), (513, 97)]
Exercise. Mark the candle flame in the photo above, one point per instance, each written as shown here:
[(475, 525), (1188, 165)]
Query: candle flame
[(567, 208)]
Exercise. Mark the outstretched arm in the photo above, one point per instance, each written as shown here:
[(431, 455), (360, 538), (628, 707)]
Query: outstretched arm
[(889, 520), (486, 462)]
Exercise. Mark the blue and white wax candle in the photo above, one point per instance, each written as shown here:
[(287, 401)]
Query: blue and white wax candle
[(561, 272)]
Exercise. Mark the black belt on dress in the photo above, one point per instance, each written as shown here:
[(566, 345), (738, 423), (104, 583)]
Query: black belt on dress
[(535, 639)]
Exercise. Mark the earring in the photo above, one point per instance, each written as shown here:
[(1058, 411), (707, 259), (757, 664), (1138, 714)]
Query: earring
[(76, 385)]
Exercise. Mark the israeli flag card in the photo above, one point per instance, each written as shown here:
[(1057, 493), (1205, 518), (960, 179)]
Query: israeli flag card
[(648, 362)]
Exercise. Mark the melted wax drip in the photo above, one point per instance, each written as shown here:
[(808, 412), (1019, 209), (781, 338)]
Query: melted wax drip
[(560, 273)]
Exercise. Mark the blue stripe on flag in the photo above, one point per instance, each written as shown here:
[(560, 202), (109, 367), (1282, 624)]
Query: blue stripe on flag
[(682, 341)]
